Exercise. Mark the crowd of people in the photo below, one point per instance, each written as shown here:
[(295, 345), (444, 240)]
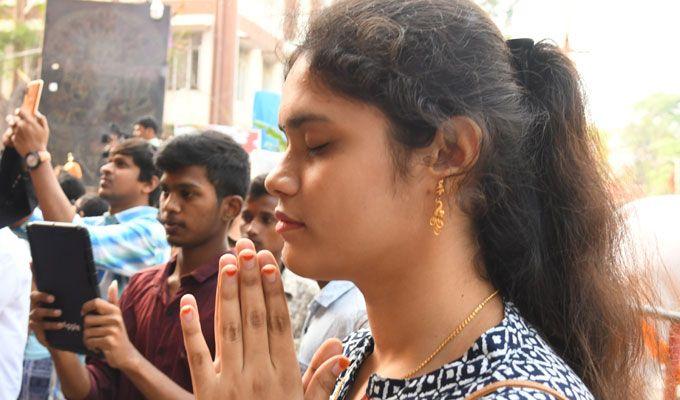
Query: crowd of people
[(442, 208), (158, 226)]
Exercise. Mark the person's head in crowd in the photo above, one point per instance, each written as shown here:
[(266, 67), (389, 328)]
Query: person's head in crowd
[(145, 128), (91, 205), (258, 220), (205, 178), (418, 135), (73, 187), (129, 178)]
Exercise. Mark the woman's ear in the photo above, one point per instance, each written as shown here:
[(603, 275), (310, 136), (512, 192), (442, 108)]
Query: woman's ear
[(456, 146), (231, 207)]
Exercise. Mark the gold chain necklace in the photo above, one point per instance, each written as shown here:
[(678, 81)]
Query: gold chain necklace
[(452, 335), (439, 348)]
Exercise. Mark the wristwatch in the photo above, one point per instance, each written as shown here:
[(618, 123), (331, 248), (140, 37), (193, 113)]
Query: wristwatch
[(34, 158)]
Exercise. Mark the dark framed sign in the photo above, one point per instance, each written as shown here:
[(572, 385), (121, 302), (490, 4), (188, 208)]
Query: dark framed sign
[(103, 64)]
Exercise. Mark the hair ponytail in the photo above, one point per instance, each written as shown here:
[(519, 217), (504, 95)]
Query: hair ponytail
[(539, 194), (568, 282)]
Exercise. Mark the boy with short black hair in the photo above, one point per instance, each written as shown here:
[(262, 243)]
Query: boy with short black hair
[(205, 177)]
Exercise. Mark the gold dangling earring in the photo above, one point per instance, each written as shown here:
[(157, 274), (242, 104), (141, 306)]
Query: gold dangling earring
[(437, 220)]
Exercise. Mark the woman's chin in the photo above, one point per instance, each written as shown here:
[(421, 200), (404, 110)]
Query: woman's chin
[(302, 264)]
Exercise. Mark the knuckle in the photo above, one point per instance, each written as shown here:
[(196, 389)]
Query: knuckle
[(256, 318), (228, 294), (231, 331), (326, 381), (196, 359), (279, 323), (259, 388), (250, 279)]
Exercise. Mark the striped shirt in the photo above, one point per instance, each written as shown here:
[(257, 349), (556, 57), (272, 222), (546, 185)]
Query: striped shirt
[(128, 241)]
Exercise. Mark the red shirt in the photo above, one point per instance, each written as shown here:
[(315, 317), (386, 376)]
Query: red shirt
[(152, 322)]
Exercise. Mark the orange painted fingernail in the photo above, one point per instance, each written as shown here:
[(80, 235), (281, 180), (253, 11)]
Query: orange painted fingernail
[(269, 272), (186, 314), (340, 365), (248, 259), (230, 270)]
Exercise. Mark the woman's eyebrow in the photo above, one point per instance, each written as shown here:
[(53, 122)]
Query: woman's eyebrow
[(297, 121)]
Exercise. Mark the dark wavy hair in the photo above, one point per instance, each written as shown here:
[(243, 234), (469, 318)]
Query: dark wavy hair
[(226, 163), (539, 195)]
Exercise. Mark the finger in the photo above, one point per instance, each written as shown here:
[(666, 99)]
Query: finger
[(42, 121), (18, 126), (243, 244), (46, 325), (113, 292), (7, 136), (231, 325), (329, 348), (92, 320), (100, 343), (98, 306), (41, 313), (253, 312), (323, 382), (24, 115), (197, 350), (97, 332), (226, 259), (265, 257), (281, 346), (41, 297)]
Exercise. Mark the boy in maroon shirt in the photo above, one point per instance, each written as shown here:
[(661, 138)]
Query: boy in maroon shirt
[(205, 177)]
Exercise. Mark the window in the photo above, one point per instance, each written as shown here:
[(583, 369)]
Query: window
[(184, 59)]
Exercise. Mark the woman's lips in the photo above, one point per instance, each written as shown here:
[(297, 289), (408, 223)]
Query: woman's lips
[(286, 223)]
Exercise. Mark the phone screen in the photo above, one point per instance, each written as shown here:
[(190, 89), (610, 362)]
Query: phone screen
[(32, 97)]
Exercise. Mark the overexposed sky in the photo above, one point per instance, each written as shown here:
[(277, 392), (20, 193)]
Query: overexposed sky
[(625, 50)]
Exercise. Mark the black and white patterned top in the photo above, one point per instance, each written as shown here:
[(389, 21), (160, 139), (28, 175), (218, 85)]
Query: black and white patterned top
[(511, 350)]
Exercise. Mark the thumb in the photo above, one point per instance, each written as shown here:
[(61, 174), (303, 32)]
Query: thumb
[(329, 348), (324, 379), (113, 292), (42, 121)]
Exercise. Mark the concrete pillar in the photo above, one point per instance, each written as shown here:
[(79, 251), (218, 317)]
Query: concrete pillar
[(225, 61)]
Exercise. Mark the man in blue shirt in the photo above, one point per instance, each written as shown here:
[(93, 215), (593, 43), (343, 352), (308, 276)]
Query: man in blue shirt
[(129, 237), (338, 310)]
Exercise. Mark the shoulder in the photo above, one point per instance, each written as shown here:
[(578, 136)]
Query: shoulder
[(141, 282), (514, 393), (14, 254), (527, 356), (147, 275)]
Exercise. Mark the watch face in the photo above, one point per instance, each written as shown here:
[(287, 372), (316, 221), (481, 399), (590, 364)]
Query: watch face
[(32, 160)]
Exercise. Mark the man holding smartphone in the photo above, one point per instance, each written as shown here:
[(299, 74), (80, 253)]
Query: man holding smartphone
[(129, 237), (205, 177)]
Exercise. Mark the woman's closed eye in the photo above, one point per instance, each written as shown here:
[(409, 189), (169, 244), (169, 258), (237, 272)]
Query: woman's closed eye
[(317, 149)]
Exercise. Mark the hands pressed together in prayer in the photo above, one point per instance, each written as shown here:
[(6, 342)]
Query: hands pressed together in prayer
[(254, 352)]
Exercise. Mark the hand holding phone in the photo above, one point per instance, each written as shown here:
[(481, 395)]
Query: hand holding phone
[(30, 132), (63, 268), (32, 97)]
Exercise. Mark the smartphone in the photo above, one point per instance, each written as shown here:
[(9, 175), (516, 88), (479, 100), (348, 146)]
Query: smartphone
[(32, 96), (63, 267)]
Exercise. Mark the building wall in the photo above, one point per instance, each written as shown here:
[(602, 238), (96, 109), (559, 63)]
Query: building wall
[(259, 67)]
